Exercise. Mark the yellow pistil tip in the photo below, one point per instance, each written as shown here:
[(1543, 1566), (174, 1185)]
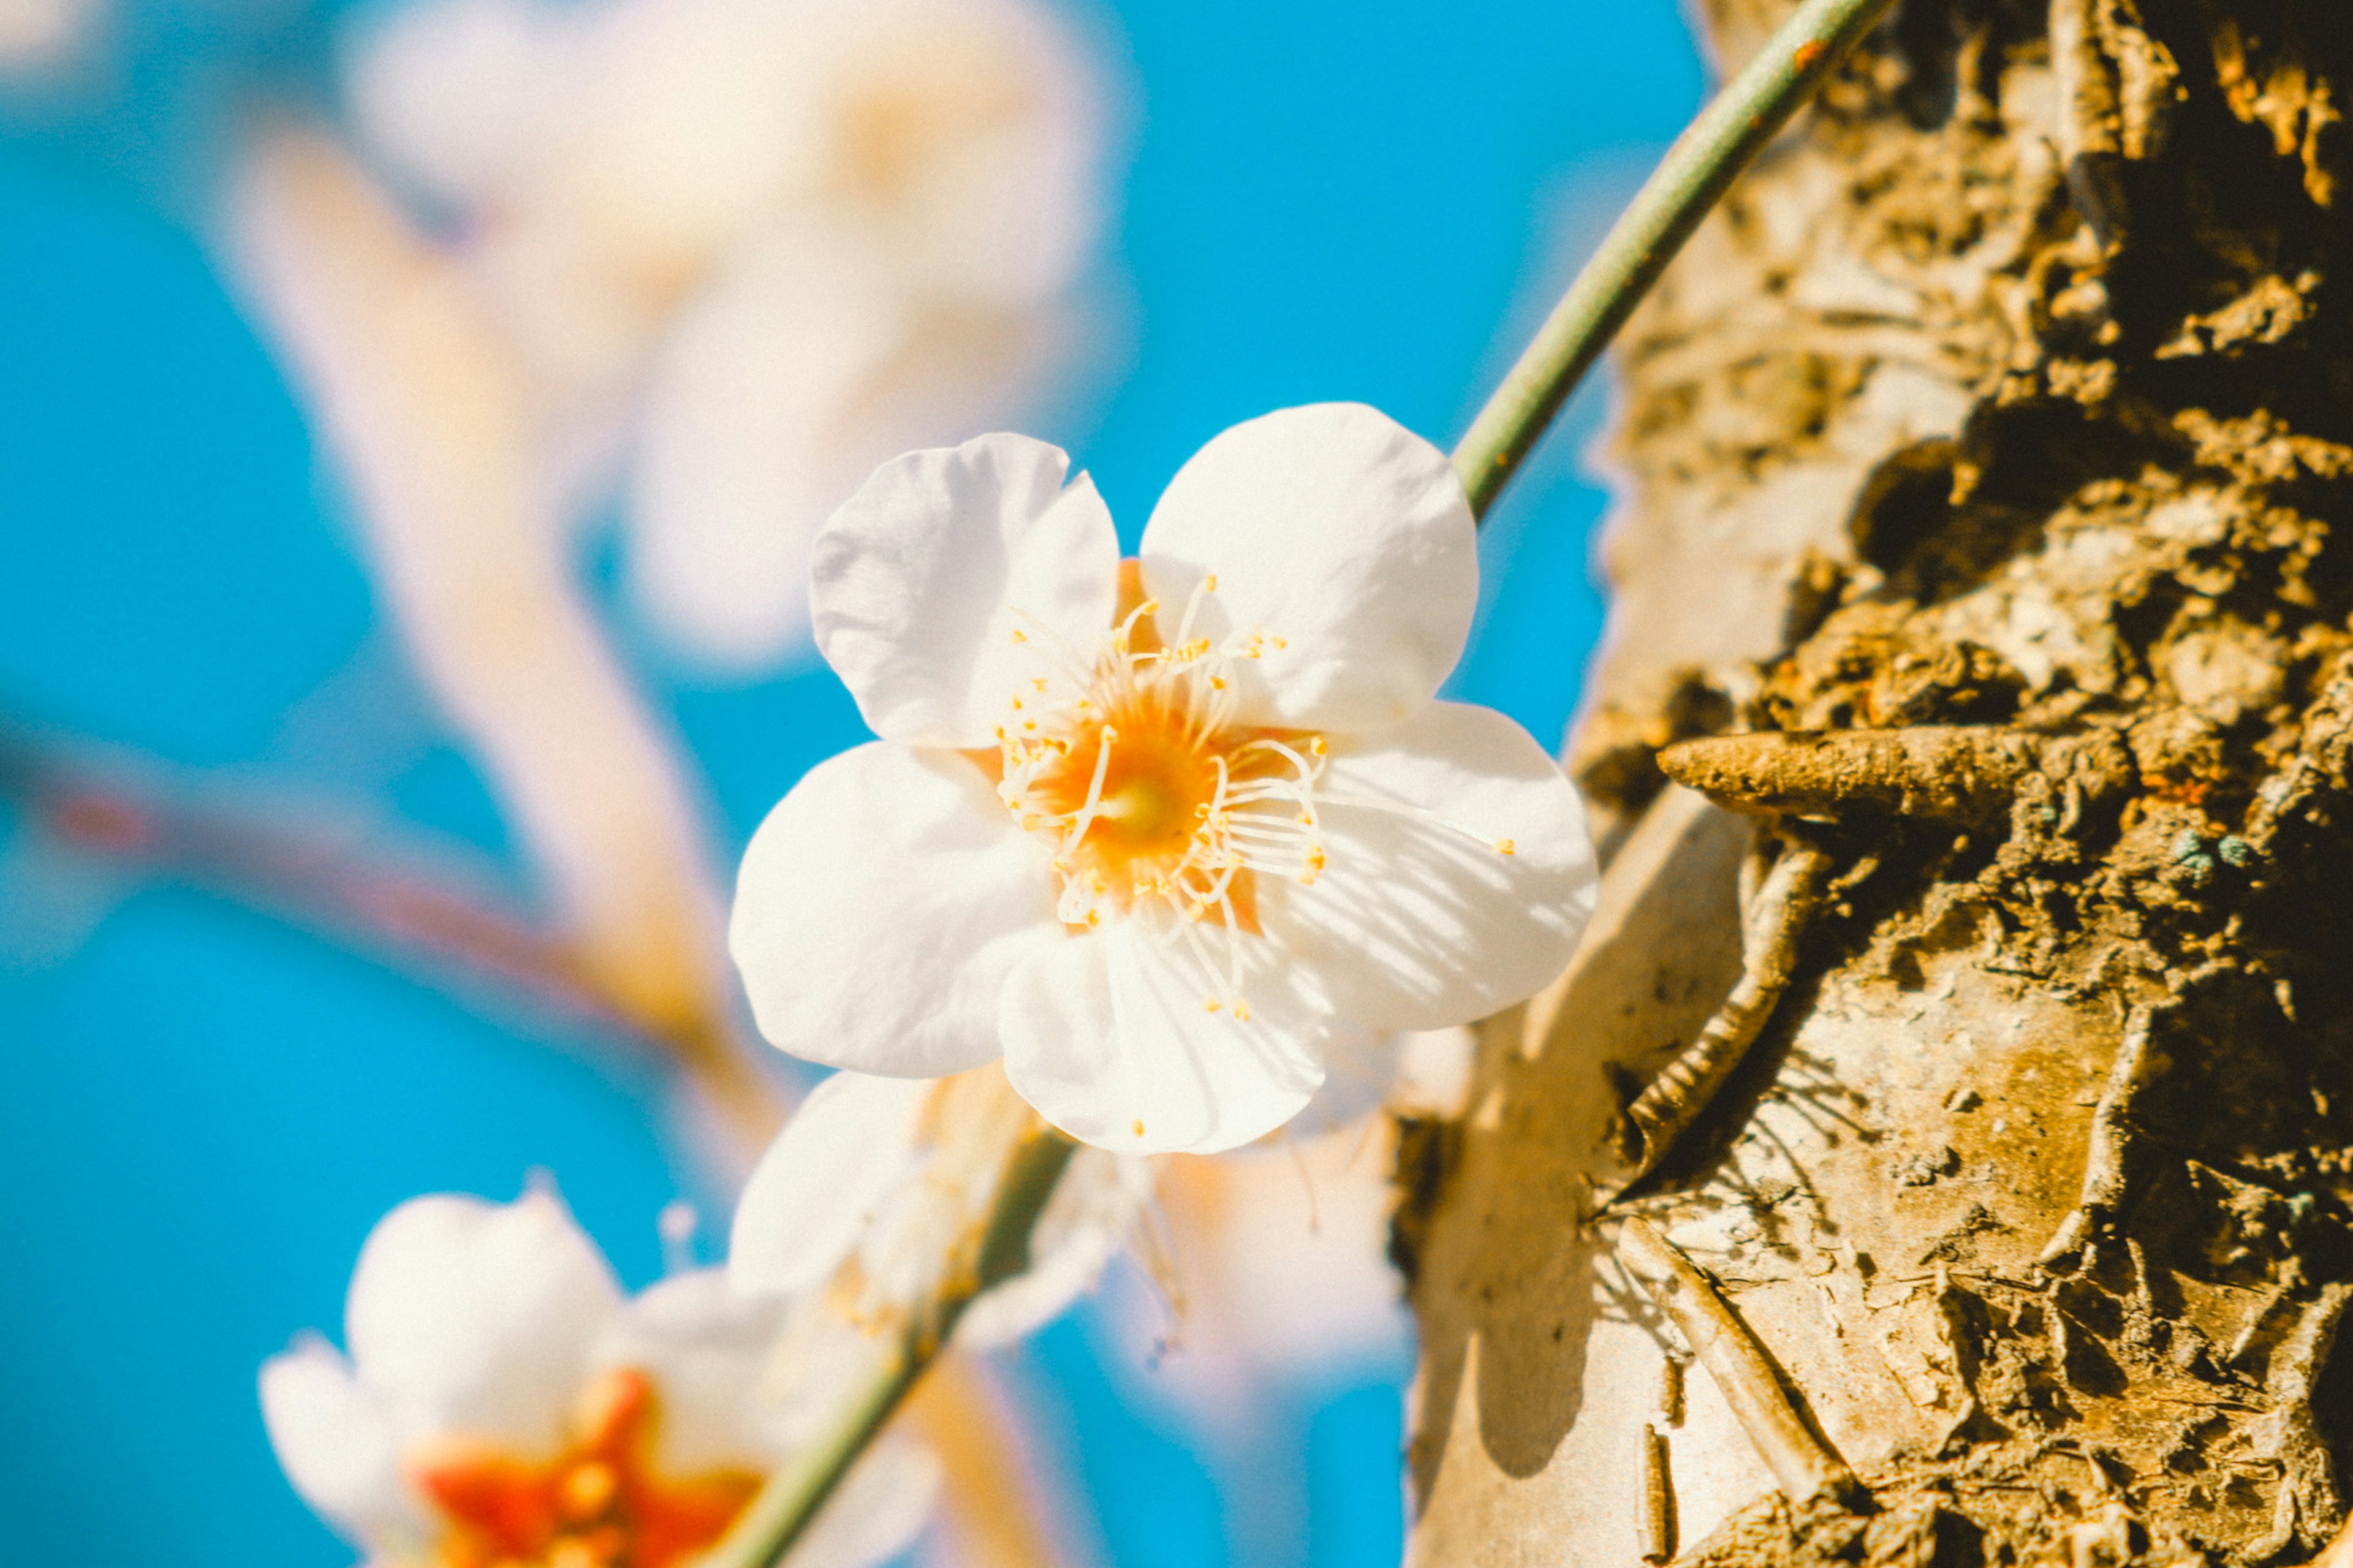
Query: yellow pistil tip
[(1242, 1012), (1019, 636), (1210, 1003), (1209, 583), (588, 1490), (1139, 1128), (1506, 847)]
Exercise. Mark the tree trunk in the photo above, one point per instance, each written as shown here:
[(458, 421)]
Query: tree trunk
[(1989, 439)]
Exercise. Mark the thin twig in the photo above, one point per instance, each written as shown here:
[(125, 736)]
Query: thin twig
[(408, 905), (1698, 169), (2107, 1154), (1771, 928), (1658, 1497), (789, 1503), (1803, 1464)]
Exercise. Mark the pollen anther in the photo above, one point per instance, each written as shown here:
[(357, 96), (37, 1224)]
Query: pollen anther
[(1156, 800)]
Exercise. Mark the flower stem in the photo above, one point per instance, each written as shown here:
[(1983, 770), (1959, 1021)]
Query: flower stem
[(1698, 169), (788, 1503)]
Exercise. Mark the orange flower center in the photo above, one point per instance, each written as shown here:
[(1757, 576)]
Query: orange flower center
[(598, 1503), (1148, 790)]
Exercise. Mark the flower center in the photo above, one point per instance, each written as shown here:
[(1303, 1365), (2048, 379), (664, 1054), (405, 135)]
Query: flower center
[(1131, 767), (598, 1503)]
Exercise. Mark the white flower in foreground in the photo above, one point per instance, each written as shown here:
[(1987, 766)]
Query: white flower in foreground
[(892, 1173), (1152, 832), (505, 1404)]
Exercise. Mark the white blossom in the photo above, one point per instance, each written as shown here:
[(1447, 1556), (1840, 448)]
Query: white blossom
[(503, 1402), (891, 1175), (1151, 832)]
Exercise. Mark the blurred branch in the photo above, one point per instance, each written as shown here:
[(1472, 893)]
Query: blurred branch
[(1698, 169), (448, 443), (412, 907)]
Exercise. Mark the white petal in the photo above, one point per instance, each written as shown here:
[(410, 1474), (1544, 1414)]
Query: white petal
[(879, 908), (741, 460), (987, 187), (703, 1344), (1095, 1209), (1419, 920), (340, 1446), (1338, 530), (477, 1318), (774, 392), (455, 94), (1111, 1035), (845, 1152), (1360, 1068), (1433, 1076), (823, 1363), (922, 582), (881, 1507), (1295, 1242)]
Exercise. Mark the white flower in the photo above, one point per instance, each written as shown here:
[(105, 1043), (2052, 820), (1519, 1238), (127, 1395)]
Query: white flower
[(503, 1402), (893, 1174), (1150, 832)]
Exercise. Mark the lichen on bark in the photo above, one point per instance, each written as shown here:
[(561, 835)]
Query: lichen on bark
[(1981, 468)]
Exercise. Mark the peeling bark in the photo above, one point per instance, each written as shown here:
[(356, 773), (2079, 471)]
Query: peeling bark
[(1981, 464)]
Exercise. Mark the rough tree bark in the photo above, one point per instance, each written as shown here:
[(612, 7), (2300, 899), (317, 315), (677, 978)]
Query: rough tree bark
[(1991, 439)]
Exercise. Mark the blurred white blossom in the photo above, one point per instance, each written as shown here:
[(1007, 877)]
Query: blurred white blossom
[(40, 37), (748, 248), (1151, 832), (504, 1403), (891, 1175), (1278, 1277)]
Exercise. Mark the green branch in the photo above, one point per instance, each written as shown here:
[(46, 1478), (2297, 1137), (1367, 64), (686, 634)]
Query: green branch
[(788, 1503), (1698, 169)]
